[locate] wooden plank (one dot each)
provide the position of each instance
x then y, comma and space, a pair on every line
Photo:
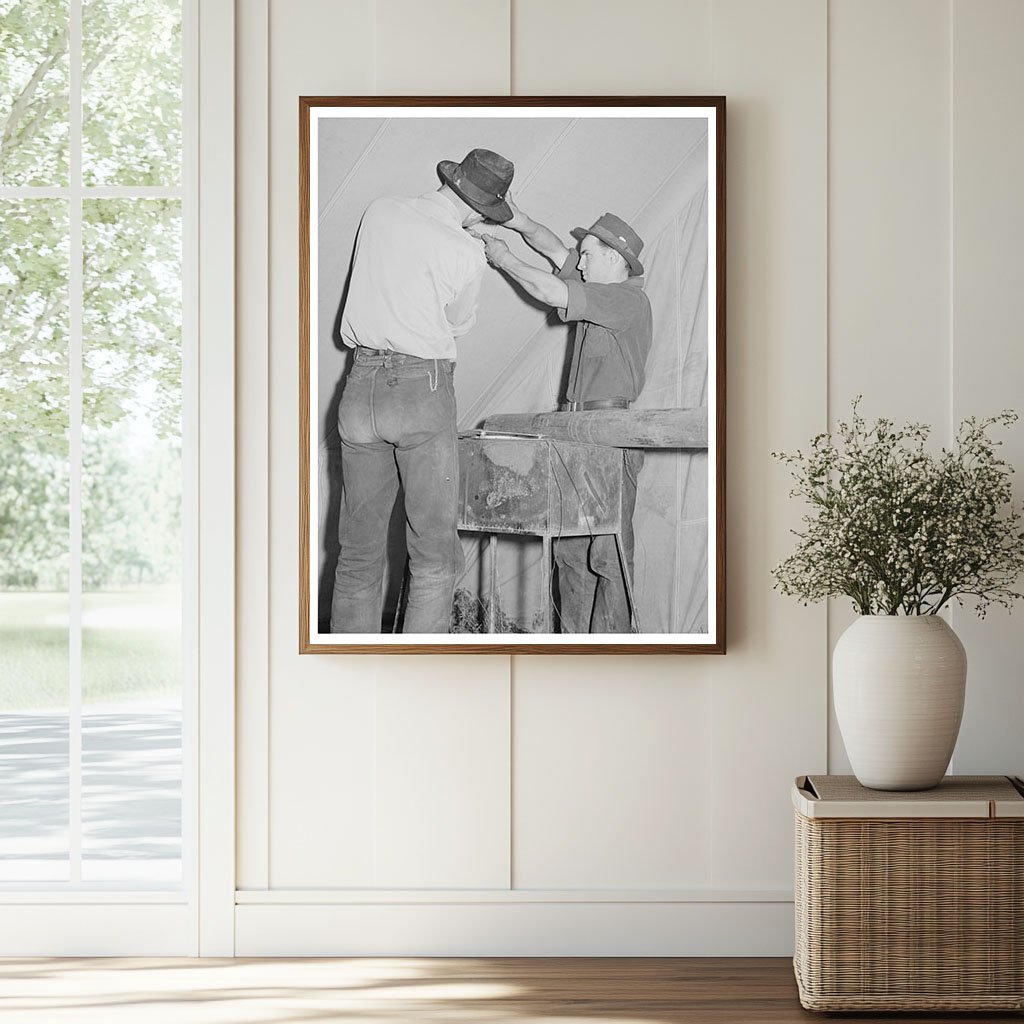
670, 990
621, 428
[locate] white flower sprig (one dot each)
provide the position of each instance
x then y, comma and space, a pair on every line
897, 529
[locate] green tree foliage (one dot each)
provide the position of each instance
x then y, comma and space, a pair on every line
131, 93
33, 515
131, 509
33, 392
131, 302
34, 92
132, 313
34, 321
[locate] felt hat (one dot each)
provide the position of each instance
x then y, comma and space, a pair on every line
481, 180
614, 231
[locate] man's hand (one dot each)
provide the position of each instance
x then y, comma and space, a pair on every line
541, 284
495, 250
538, 237
519, 221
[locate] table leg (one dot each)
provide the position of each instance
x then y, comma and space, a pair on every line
545, 581
492, 608
633, 621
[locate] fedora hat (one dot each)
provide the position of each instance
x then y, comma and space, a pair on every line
614, 231
482, 179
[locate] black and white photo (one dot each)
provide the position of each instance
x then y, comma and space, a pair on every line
511, 375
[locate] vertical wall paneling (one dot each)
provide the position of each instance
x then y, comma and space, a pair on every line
328, 827
769, 692
611, 759
444, 48
442, 754
888, 224
320, 708
988, 328
323, 761
442, 773
252, 183
616, 805
576, 47
612, 762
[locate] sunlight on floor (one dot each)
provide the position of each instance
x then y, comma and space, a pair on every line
147, 991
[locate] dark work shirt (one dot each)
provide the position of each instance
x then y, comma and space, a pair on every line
612, 338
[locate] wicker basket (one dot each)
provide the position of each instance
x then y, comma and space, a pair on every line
910, 901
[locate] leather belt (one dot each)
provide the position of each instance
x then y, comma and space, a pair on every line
387, 355
597, 403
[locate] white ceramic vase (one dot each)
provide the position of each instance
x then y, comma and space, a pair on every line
898, 684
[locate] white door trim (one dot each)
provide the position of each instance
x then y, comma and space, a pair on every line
216, 391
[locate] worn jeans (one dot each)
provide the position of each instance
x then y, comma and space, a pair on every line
591, 591
397, 424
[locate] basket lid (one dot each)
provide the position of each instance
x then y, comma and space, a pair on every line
957, 796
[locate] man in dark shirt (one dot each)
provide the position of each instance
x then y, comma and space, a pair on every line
600, 289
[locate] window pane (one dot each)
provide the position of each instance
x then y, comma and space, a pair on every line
33, 540
33, 92
131, 780
131, 92
131, 541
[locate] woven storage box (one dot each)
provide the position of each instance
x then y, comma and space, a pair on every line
910, 901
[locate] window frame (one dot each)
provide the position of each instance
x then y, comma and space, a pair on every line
75, 918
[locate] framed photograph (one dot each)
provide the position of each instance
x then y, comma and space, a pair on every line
512, 375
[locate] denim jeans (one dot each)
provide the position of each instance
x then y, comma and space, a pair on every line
398, 426
592, 594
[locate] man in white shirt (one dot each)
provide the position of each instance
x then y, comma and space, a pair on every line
415, 279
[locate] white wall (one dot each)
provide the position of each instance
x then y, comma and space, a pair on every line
546, 805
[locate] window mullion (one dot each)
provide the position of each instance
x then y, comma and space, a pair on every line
75, 303
95, 191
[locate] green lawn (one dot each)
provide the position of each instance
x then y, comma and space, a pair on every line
130, 647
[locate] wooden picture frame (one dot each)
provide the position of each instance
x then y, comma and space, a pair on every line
659, 164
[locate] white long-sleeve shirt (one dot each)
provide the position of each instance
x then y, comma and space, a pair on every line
415, 278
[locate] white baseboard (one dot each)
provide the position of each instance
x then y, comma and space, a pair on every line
97, 929
519, 928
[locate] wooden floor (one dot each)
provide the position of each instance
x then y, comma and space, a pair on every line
382, 991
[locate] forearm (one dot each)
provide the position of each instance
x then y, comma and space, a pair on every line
541, 284
540, 237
